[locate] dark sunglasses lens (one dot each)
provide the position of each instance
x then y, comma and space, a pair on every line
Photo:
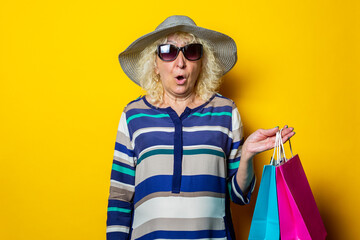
193, 52
167, 52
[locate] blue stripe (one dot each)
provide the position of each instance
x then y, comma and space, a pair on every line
214, 138
139, 123
121, 177
118, 218
192, 121
205, 234
235, 145
163, 183
122, 148
152, 139
119, 203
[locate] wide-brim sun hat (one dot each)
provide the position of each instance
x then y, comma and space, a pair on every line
224, 47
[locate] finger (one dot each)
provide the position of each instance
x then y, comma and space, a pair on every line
286, 137
286, 130
269, 132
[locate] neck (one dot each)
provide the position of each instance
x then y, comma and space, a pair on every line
180, 103
172, 100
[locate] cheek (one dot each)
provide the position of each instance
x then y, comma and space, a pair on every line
162, 68
196, 70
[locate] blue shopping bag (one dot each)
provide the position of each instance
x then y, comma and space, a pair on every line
265, 221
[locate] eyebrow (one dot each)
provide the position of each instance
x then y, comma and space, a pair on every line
171, 42
174, 42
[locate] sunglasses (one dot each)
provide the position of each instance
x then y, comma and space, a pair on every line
169, 52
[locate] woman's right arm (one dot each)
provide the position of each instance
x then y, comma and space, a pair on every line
122, 186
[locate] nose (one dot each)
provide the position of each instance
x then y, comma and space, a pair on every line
180, 60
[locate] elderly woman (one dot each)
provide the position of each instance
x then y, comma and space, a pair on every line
180, 154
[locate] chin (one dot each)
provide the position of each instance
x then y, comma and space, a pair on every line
181, 90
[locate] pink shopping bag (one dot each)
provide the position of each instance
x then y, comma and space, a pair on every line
298, 214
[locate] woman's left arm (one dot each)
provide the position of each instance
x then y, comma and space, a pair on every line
259, 141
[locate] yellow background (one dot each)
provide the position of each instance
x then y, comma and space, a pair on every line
62, 92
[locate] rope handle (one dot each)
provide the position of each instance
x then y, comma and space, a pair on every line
279, 150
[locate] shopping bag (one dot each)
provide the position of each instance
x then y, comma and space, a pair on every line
292, 223
265, 221
298, 214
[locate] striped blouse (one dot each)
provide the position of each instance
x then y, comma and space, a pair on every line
173, 176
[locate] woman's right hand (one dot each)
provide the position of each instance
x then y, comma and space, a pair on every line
262, 140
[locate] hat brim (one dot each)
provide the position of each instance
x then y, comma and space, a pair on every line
224, 48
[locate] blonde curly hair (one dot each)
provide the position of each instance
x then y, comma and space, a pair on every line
209, 79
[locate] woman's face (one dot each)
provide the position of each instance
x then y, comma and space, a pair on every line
179, 76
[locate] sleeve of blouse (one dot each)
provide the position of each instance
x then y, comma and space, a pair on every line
122, 186
236, 195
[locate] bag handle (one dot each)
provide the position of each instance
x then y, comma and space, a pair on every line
282, 145
276, 150
273, 161
279, 150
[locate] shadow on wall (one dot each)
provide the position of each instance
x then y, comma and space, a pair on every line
232, 86
331, 215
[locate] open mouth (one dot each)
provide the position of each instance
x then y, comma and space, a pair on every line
180, 77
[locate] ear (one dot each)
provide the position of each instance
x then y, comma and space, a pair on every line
156, 68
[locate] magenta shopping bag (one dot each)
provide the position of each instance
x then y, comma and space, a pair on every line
298, 214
